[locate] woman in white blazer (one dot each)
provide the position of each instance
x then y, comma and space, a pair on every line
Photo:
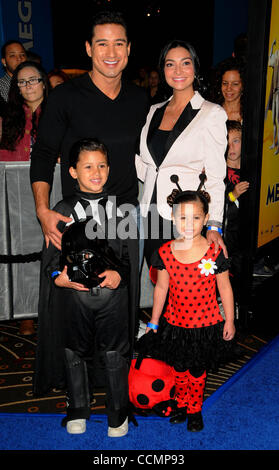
183, 136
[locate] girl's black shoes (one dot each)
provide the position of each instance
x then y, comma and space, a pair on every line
179, 417
195, 422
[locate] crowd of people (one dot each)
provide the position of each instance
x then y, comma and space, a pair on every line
108, 133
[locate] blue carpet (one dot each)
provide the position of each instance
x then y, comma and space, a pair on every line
242, 414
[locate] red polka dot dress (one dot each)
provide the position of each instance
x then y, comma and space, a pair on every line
192, 290
190, 330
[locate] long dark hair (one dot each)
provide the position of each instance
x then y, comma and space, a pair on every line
13, 125
227, 65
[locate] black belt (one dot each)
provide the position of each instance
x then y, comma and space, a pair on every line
95, 290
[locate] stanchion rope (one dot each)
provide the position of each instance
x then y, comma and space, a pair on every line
31, 257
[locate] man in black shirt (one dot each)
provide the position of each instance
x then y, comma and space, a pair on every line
97, 104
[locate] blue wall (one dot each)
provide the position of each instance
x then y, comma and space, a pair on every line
30, 23
230, 19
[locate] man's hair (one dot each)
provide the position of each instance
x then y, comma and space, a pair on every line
233, 126
90, 145
106, 17
8, 43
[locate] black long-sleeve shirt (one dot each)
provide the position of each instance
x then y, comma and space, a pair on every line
78, 109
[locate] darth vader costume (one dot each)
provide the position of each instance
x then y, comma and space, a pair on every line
73, 325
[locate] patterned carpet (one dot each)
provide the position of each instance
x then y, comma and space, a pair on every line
17, 358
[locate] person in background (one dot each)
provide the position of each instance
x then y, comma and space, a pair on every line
229, 87
234, 189
273, 98
263, 265
155, 90
240, 47
12, 54
3, 106
57, 77
27, 97
142, 78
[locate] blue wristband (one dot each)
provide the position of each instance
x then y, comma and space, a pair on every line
217, 229
152, 325
55, 273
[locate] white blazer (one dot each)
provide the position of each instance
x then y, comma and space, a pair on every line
202, 144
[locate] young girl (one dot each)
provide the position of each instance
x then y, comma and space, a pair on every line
192, 335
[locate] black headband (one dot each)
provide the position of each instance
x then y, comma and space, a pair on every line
174, 179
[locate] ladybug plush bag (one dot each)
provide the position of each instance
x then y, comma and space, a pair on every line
152, 386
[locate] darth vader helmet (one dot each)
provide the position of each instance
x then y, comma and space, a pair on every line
85, 258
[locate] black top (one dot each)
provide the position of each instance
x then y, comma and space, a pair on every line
78, 109
187, 115
159, 140
231, 213
158, 143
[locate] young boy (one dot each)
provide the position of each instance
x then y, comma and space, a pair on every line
234, 189
75, 318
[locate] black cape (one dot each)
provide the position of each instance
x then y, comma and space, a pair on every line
49, 363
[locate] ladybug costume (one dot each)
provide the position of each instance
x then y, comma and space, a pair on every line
192, 294
152, 386
190, 334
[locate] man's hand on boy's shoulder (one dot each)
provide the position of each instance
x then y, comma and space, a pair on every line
112, 279
49, 220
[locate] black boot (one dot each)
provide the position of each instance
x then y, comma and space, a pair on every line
78, 399
117, 391
180, 416
195, 422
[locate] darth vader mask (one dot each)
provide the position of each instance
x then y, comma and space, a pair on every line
86, 258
